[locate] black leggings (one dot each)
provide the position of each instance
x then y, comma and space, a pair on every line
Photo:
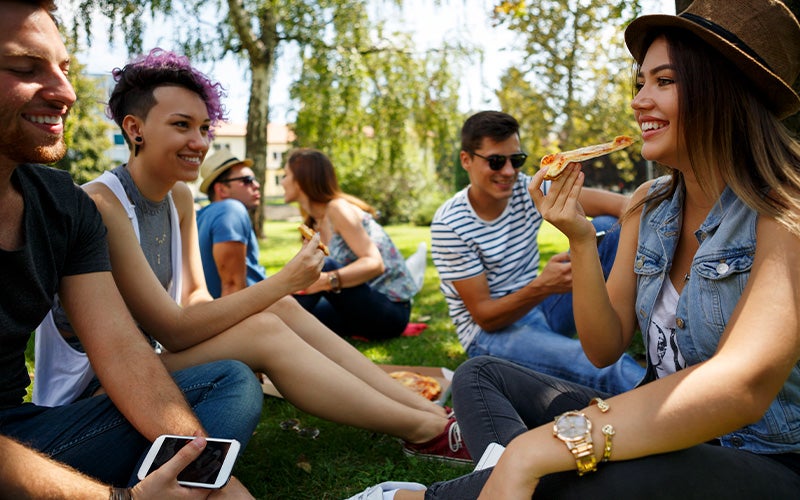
496, 400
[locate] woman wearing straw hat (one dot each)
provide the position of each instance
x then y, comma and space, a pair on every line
708, 268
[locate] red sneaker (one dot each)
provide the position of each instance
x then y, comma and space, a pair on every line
446, 447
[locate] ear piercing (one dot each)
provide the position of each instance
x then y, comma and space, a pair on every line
138, 141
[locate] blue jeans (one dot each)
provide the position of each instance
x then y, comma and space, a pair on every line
358, 310
92, 436
496, 400
543, 340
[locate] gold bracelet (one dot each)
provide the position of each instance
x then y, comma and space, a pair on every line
608, 433
601, 404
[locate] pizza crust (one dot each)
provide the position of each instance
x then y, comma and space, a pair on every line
309, 233
556, 163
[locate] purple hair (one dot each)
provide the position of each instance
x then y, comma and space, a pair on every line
133, 92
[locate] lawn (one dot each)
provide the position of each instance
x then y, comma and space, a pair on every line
342, 461
283, 464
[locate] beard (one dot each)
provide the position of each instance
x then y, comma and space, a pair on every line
22, 148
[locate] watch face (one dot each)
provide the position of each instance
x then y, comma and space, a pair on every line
572, 425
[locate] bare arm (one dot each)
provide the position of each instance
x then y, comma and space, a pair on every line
199, 317
230, 258
345, 219
604, 312
25, 473
731, 389
130, 372
492, 314
600, 202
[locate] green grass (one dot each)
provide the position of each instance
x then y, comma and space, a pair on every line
342, 461
280, 464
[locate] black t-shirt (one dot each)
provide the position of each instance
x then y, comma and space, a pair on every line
63, 235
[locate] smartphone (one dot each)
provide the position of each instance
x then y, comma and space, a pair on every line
212, 469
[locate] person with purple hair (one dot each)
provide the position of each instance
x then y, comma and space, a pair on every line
166, 110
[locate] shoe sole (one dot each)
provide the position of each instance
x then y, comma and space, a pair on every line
437, 458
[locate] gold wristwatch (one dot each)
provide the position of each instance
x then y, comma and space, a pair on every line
575, 430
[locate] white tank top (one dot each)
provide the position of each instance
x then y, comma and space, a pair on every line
61, 373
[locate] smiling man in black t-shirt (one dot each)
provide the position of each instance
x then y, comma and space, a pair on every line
52, 240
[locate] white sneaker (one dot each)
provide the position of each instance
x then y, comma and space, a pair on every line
376, 492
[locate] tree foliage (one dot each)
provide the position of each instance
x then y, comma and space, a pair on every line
353, 77
386, 114
86, 133
573, 84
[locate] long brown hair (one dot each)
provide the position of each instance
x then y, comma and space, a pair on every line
727, 128
314, 174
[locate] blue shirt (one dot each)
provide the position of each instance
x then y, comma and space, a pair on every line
221, 221
719, 273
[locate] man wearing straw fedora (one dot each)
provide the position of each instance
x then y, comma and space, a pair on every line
228, 244
709, 257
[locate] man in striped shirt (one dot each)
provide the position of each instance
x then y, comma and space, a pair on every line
484, 245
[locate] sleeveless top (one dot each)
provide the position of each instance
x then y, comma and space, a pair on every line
62, 372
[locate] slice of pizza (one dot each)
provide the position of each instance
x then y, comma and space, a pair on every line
308, 233
557, 162
428, 387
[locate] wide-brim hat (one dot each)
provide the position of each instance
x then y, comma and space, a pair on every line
216, 164
760, 37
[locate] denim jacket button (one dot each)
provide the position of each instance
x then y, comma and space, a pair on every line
737, 442
722, 268
639, 263
680, 323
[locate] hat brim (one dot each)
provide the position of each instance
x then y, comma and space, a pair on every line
779, 96
222, 169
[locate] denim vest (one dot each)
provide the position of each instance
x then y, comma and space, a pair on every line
719, 273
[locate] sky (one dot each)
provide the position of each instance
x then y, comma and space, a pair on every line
429, 24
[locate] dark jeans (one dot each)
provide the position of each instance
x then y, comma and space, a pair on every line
496, 400
92, 436
358, 310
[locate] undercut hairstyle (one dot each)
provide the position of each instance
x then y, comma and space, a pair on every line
313, 171
741, 138
495, 125
136, 81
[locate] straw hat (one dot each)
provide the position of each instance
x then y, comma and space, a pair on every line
216, 164
760, 37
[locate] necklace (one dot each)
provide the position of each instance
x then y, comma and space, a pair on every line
164, 215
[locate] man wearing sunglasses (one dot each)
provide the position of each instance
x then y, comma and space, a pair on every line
228, 244
484, 245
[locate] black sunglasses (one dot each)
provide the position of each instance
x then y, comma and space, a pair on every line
496, 162
246, 179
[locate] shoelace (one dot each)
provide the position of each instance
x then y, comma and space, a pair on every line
454, 437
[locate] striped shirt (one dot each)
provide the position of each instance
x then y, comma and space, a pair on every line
505, 250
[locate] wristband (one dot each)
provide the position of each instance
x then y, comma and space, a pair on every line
119, 493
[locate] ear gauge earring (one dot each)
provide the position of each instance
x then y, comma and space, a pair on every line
138, 141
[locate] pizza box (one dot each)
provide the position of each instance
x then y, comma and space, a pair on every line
442, 375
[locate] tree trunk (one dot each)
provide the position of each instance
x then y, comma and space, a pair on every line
257, 121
